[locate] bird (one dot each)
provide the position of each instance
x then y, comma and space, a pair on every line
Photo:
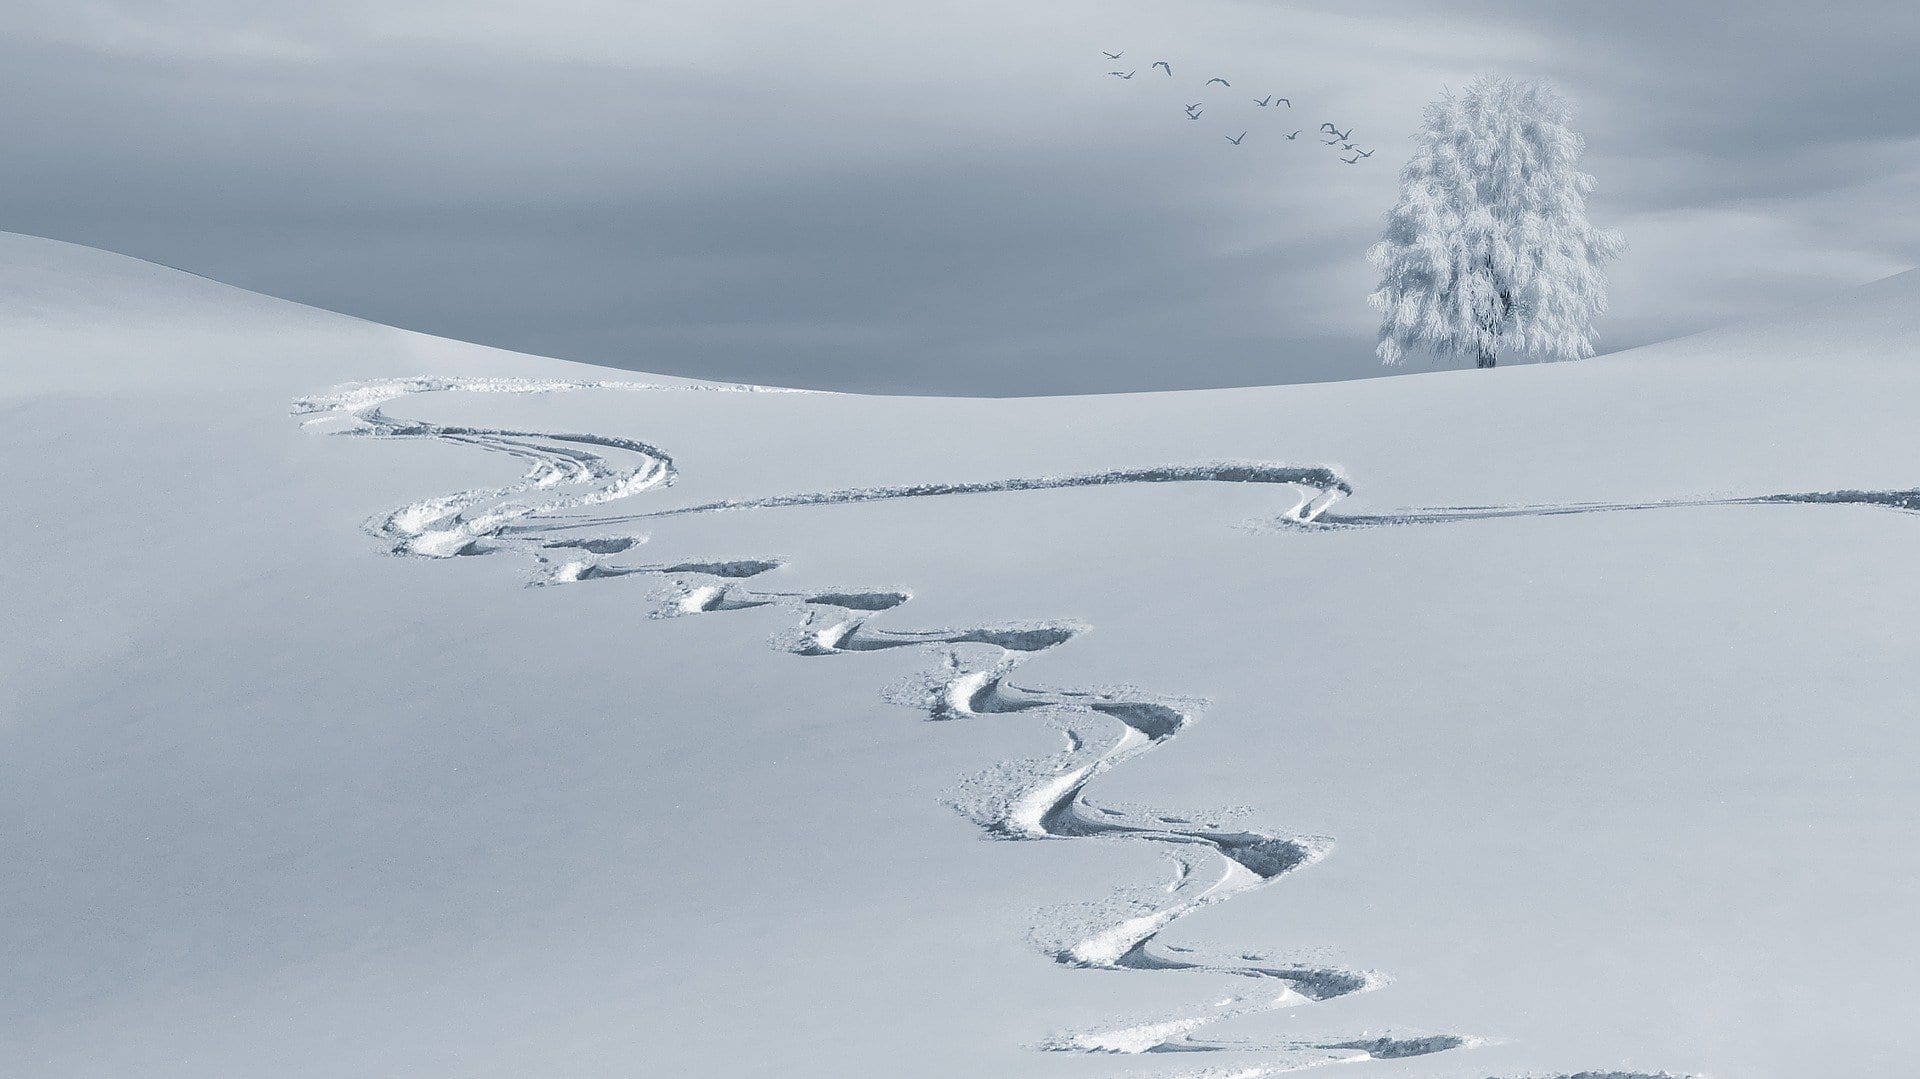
1284, 101
1219, 80
1344, 135
1264, 101
1163, 63
1293, 136
1354, 160
1113, 55
1233, 140
1121, 75
1364, 153
1328, 142
1195, 105
1346, 146
1195, 115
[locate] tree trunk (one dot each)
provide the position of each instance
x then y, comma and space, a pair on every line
1495, 323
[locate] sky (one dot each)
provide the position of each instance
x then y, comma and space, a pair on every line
909, 197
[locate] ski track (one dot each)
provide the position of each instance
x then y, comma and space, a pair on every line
1899, 501
540, 517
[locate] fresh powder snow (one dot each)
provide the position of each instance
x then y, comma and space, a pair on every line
382, 704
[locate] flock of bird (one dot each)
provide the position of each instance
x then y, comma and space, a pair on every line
1331, 135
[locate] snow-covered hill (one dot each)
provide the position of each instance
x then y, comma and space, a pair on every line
382, 705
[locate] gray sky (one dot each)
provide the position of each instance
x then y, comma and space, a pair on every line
952, 197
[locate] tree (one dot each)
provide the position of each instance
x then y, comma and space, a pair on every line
1489, 249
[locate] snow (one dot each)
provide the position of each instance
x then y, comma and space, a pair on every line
1617, 793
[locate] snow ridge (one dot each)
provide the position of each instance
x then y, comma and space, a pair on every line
1027, 800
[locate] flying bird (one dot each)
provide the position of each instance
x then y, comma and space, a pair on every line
1163, 63
1346, 146
1264, 101
1119, 75
1363, 153
1343, 135
1233, 140
1195, 115
1113, 55
1195, 105
1219, 80
1293, 136
1354, 160
1284, 101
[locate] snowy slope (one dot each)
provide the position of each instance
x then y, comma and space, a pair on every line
1540, 722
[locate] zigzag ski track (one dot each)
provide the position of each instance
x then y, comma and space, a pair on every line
552, 517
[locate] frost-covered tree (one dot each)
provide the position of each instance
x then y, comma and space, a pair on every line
1489, 249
